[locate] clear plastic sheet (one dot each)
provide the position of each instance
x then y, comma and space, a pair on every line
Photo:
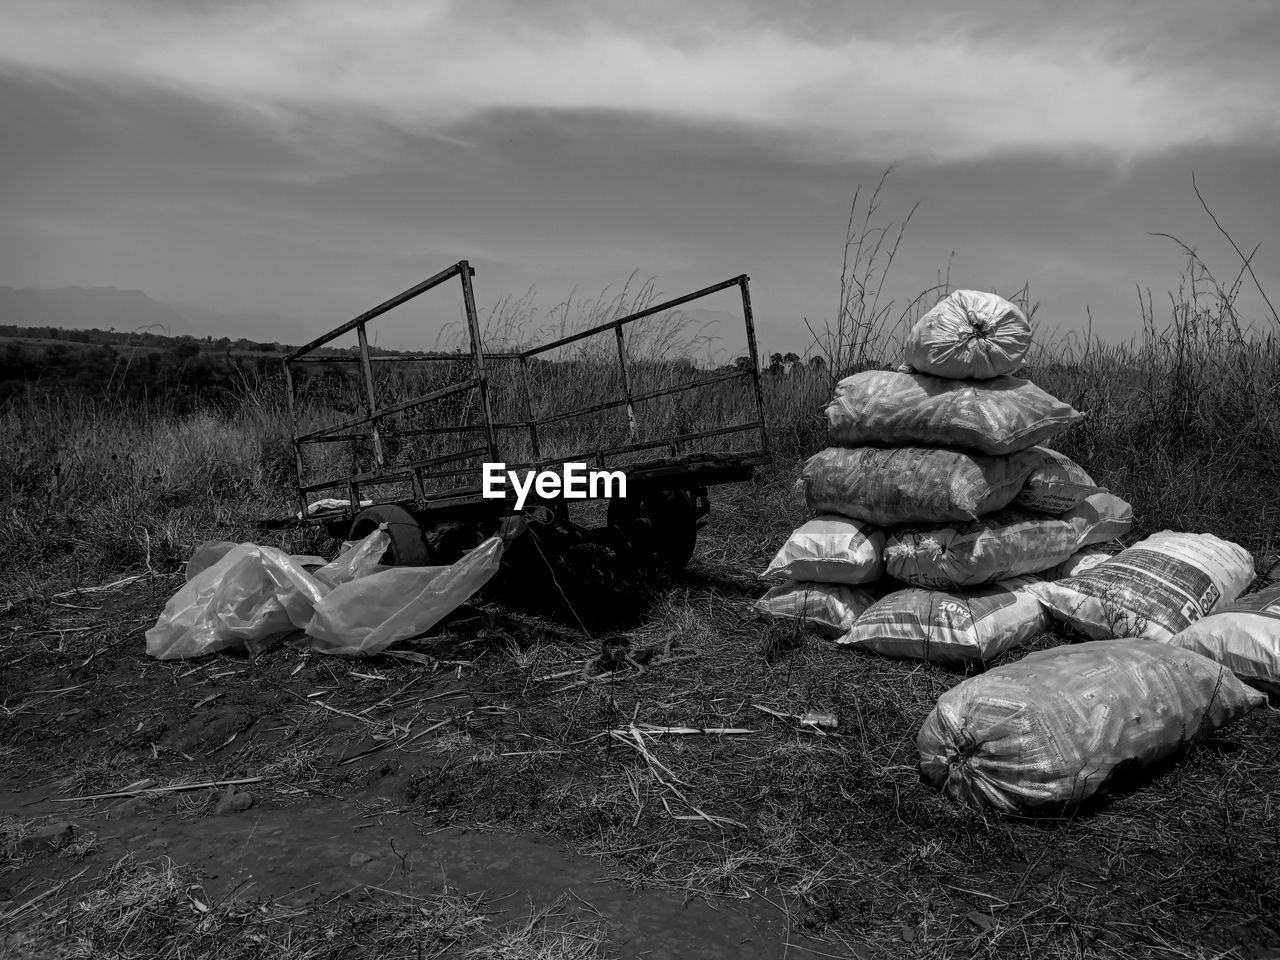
249, 597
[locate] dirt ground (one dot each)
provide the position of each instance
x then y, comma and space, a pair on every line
496, 791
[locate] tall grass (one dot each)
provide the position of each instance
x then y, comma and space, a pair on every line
91, 488
1183, 420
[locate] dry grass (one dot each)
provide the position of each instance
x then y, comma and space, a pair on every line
156, 909
837, 825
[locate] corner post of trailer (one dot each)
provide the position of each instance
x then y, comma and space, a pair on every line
626, 382
754, 354
530, 414
297, 446
371, 396
477, 350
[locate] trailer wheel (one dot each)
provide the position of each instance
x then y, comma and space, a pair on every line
408, 547
660, 527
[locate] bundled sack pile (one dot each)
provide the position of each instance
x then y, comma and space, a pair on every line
939, 491
948, 531
1174, 653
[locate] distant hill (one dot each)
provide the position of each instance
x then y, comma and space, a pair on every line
86, 307
105, 308
123, 344
76, 316
203, 322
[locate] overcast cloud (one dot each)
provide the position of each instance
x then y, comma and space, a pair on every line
890, 84
307, 158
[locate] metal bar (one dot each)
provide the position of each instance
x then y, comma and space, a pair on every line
652, 395
633, 447
706, 291
749, 319
403, 469
297, 447
393, 408
418, 432
683, 438
340, 438
382, 308
452, 493
406, 357
371, 405
399, 471
440, 474
333, 484
528, 405
477, 349
626, 384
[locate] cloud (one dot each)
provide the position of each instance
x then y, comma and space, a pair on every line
813, 81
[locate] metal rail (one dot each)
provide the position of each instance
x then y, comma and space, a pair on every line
461, 267
449, 391
647, 312
652, 395
416, 471
404, 357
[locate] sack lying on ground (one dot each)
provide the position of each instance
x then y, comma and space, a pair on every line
827, 609
1243, 636
1078, 563
1156, 588
1055, 484
888, 408
1052, 728
253, 596
952, 628
893, 486
969, 334
830, 549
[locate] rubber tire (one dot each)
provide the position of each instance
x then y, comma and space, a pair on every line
408, 546
660, 527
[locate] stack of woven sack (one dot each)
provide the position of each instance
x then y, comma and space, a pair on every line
1171, 658
938, 477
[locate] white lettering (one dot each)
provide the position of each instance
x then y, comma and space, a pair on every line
493, 480
608, 479
575, 487
573, 482
548, 484
521, 491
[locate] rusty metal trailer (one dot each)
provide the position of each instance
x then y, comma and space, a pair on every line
433, 505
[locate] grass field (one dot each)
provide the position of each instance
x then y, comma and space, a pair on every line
821, 844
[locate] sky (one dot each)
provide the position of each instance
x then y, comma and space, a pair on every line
303, 160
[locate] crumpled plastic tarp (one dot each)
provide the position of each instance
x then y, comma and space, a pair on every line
248, 597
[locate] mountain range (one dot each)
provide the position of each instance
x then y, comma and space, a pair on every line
107, 308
